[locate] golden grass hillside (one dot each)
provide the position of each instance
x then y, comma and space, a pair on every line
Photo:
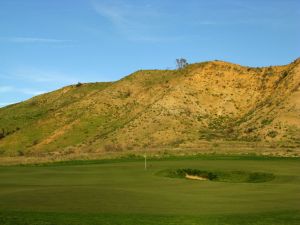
203, 105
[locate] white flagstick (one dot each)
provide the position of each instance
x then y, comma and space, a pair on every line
145, 161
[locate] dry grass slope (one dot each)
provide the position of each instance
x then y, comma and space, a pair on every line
203, 105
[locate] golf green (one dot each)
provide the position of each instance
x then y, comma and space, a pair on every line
123, 192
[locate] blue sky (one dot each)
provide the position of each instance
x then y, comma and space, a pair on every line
45, 45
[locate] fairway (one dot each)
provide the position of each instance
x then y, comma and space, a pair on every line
122, 192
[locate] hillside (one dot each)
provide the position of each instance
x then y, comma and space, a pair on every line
203, 105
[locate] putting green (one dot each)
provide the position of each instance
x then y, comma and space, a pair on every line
125, 193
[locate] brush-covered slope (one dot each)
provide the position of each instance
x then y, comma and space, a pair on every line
202, 103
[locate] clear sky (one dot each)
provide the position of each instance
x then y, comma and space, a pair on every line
47, 44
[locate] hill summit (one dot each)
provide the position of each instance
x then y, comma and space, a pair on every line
197, 107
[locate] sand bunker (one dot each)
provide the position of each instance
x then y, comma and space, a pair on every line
220, 176
193, 177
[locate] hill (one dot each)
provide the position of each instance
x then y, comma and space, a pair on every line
204, 105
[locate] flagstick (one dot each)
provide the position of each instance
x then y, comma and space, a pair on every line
145, 161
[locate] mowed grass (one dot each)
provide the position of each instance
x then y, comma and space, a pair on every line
124, 193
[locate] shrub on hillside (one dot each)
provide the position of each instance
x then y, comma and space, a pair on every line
266, 121
113, 148
272, 133
78, 84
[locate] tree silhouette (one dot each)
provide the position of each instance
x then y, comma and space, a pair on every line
181, 63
